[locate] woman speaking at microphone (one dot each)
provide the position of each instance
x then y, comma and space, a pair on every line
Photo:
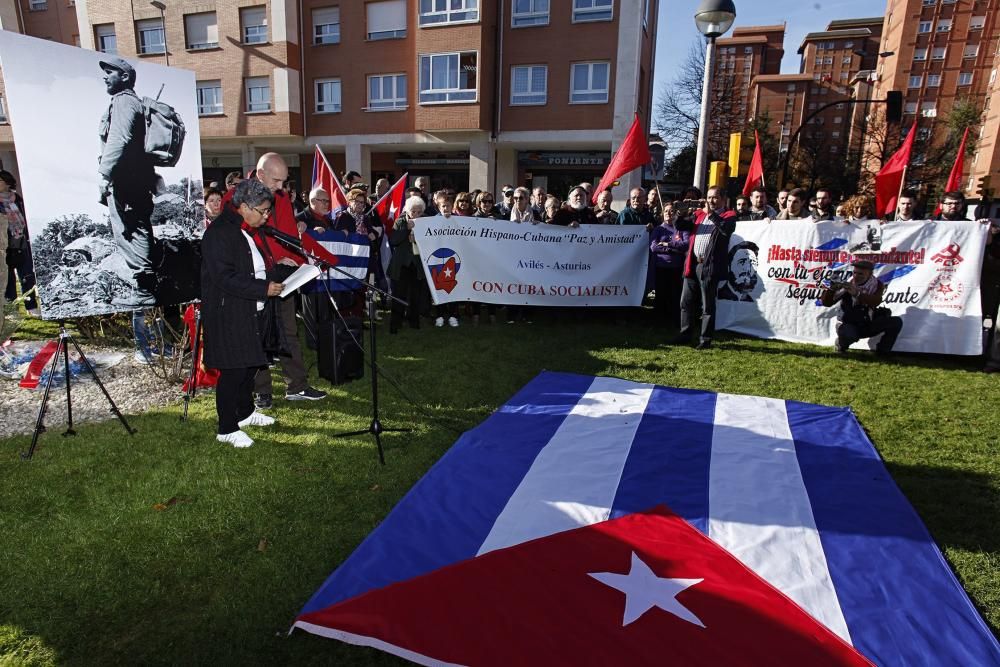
234, 288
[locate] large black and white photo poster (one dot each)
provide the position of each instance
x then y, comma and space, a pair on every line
109, 156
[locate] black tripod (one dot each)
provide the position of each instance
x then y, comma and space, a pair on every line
63, 348
375, 428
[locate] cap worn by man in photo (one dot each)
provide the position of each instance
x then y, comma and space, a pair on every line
118, 64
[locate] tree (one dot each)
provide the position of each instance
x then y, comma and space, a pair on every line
935, 154
770, 150
677, 111
680, 169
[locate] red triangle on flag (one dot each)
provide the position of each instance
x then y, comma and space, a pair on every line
643, 589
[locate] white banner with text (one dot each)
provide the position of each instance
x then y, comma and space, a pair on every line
502, 262
777, 271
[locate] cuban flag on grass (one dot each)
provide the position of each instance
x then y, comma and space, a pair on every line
544, 537
351, 251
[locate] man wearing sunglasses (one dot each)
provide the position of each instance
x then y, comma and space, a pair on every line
317, 216
506, 202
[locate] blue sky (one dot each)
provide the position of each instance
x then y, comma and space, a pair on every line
677, 30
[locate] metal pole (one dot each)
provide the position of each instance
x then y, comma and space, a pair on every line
166, 49
700, 164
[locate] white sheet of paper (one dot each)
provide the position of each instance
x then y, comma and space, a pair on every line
302, 275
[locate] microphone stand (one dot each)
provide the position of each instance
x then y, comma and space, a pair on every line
375, 427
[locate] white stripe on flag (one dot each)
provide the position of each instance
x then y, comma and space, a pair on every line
759, 509
595, 439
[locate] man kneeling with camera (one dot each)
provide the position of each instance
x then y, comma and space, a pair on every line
860, 315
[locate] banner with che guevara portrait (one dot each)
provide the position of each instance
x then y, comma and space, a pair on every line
778, 269
502, 262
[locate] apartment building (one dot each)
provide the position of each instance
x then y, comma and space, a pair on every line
48, 19
938, 52
475, 93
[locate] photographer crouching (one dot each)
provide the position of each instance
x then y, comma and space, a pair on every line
861, 315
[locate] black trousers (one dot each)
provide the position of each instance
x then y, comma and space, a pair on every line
234, 397
669, 282
293, 369
411, 289
698, 298
889, 326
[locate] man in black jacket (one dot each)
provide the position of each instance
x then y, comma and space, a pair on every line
706, 265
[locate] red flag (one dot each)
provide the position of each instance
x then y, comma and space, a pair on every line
324, 177
755, 177
890, 178
955, 177
391, 203
634, 152
643, 589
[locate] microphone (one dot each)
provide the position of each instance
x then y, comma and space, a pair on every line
281, 236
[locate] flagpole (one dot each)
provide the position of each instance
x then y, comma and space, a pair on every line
332, 172
387, 193
656, 184
902, 186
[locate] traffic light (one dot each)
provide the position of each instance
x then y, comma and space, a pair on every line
983, 188
894, 106
717, 174
735, 139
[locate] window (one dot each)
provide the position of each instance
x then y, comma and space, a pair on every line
37, 5
209, 97
848, 45
3, 111
843, 76
916, 81
150, 33
589, 83
386, 92
258, 90
928, 109
933, 80
817, 76
965, 78
253, 22
938, 53
528, 84
448, 77
977, 23
104, 38
596, 10
386, 20
201, 31
831, 45
327, 95
530, 12
924, 26
919, 54
828, 60
326, 25
910, 108
747, 50
944, 25
790, 88
930, 3
834, 148
837, 120
819, 60
846, 60
971, 51
448, 11
835, 134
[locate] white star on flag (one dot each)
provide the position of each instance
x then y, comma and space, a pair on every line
644, 590
447, 273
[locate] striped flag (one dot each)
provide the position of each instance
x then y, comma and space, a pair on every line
351, 251
796, 492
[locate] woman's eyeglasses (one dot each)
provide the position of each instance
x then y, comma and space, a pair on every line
265, 213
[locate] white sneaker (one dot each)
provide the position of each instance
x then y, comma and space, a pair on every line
453, 321
439, 322
142, 358
237, 439
256, 419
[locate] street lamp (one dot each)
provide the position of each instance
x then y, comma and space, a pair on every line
713, 18
163, 24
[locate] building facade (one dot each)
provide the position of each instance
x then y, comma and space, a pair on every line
474, 93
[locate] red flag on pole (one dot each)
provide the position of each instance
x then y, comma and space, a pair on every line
324, 177
391, 203
889, 179
755, 177
634, 152
955, 177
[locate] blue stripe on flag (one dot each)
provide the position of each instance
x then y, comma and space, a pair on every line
670, 456
447, 515
352, 251
902, 604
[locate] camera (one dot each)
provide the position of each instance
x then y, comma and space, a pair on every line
837, 284
685, 206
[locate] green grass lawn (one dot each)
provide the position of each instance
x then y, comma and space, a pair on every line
167, 547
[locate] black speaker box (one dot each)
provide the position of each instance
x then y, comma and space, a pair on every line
338, 356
